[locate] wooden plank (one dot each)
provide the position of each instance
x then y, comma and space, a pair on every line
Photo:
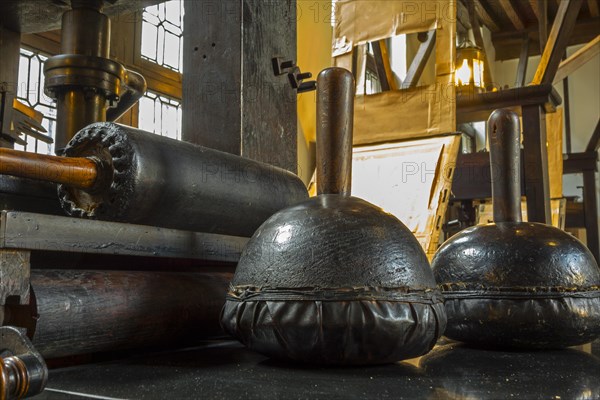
523, 59
485, 17
594, 143
477, 107
40, 232
578, 59
233, 100
536, 164
269, 103
210, 90
557, 42
594, 8
418, 63
512, 15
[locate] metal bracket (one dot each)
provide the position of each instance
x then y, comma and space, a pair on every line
295, 76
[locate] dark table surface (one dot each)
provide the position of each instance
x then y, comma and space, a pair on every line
226, 370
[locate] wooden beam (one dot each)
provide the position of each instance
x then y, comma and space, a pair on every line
229, 85
594, 8
523, 59
594, 143
534, 6
542, 13
557, 42
418, 63
487, 72
512, 14
382, 63
578, 59
508, 43
463, 15
576, 163
485, 17
567, 113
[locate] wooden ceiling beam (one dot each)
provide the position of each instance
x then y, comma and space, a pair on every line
540, 9
485, 17
462, 14
594, 8
508, 43
563, 26
534, 6
512, 14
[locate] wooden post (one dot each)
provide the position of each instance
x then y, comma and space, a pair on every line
536, 164
232, 100
590, 209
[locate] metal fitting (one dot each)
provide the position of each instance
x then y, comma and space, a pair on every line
23, 372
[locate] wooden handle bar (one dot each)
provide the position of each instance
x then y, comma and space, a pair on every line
80, 172
335, 115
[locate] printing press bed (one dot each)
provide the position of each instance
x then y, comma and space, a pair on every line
226, 370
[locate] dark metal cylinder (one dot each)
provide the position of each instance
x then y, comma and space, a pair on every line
335, 115
169, 183
85, 31
80, 312
505, 162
